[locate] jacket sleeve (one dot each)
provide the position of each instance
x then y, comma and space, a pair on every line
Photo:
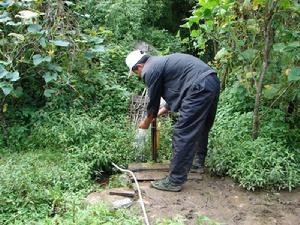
154, 83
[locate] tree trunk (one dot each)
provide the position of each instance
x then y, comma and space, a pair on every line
269, 36
224, 78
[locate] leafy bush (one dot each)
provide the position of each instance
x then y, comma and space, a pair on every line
65, 99
98, 214
96, 140
166, 133
34, 184
265, 162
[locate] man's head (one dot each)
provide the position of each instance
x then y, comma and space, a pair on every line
135, 60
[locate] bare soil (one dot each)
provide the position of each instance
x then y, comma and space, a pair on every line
224, 202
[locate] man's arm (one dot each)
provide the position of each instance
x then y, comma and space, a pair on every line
154, 83
148, 119
146, 122
163, 110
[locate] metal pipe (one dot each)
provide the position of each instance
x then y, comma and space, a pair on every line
154, 140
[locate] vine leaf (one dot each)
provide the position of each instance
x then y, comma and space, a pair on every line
38, 59
34, 28
60, 43
294, 74
49, 77
13, 76
49, 92
6, 88
98, 48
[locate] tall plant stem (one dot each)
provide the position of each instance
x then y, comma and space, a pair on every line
269, 37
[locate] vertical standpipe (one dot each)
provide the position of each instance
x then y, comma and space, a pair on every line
154, 141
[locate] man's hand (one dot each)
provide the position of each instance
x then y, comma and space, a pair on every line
163, 110
146, 122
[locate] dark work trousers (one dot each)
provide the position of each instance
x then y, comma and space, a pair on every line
196, 117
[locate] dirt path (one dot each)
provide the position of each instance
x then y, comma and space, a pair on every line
224, 202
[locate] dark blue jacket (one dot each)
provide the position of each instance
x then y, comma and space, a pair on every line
170, 77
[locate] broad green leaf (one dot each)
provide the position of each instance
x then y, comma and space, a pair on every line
185, 41
49, 92
5, 106
98, 48
60, 43
6, 88
285, 4
209, 22
13, 76
88, 55
6, 3
248, 54
194, 19
5, 63
294, 74
291, 46
34, 28
27, 14
252, 25
199, 12
207, 13
38, 59
279, 47
68, 3
47, 59
201, 42
96, 40
211, 4
257, 3
251, 75
18, 92
43, 42
3, 72
295, 7
55, 67
49, 76
222, 53
186, 25
4, 17
239, 89
202, 2
12, 23
271, 91
195, 33
247, 5
18, 36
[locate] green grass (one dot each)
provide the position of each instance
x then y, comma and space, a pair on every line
47, 187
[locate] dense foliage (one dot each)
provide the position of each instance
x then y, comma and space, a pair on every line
268, 161
64, 101
65, 92
235, 36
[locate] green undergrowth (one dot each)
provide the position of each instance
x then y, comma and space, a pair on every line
270, 161
39, 183
64, 113
97, 214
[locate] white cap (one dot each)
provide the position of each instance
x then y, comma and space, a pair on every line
133, 57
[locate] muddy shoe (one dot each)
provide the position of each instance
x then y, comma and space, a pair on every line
165, 185
197, 169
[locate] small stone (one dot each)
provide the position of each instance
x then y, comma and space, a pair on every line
106, 197
123, 203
